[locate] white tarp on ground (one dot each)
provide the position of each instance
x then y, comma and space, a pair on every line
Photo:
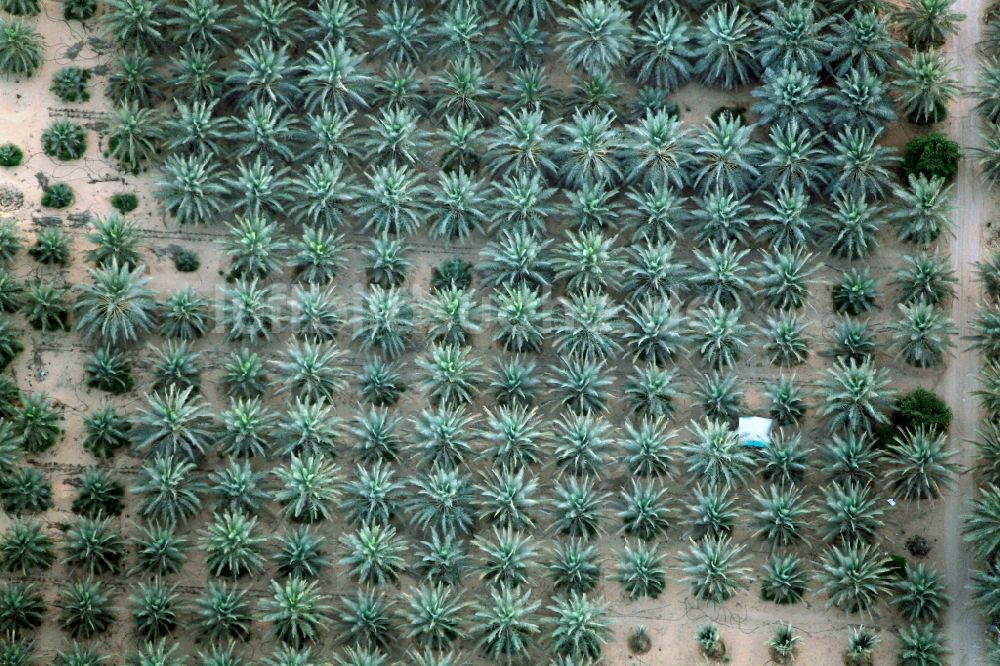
755, 431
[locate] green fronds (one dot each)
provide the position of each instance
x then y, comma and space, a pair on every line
173, 423
22, 608
851, 457
249, 311
579, 626
714, 512
451, 375
170, 489
376, 432
863, 41
134, 135
300, 552
574, 566
191, 188
719, 336
25, 490
223, 612
184, 315
928, 23
784, 580
26, 548
383, 321
854, 395
925, 87
716, 455
713, 569
921, 594
517, 259
719, 396
854, 576
374, 554
93, 545
432, 617
924, 211
298, 611
21, 48
923, 335
236, 488
160, 551
372, 496
921, 645
860, 166
780, 516
45, 306
99, 494
86, 609
38, 422
308, 488
401, 34
724, 53
505, 624
243, 375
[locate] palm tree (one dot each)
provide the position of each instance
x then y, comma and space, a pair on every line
578, 507
928, 23
862, 40
117, 307
923, 334
791, 36
926, 278
851, 339
854, 395
432, 618
443, 559
116, 240
176, 364
725, 42
714, 512
401, 33
850, 513
298, 611
442, 499
52, 246
595, 37
926, 86
517, 312
574, 566
720, 218
921, 645
851, 457
652, 272
372, 497
786, 461
133, 136
463, 89
507, 558
45, 307
513, 381
25, 547
507, 499
451, 375
203, 23
154, 611
859, 166
655, 332
589, 326
93, 545
719, 336
264, 72
789, 223
22, 608
332, 78
86, 609
25, 490
135, 24
173, 423
582, 443
134, 76
246, 428
323, 194
988, 90
722, 281
725, 155
80, 655
641, 571
237, 488
580, 626
170, 489
365, 621
784, 581
191, 188
21, 48
790, 97
374, 554
383, 320
647, 450
514, 436
243, 375
716, 455
393, 201
710, 642
650, 391
442, 436
309, 488
194, 73
184, 315
786, 340
99, 494
644, 511
11, 290
160, 550
860, 98
37, 421
223, 612
582, 386
520, 148
925, 211
781, 515
719, 396
517, 259
253, 248
664, 50
712, 568
387, 262
588, 261
504, 624
920, 595
854, 576
10, 344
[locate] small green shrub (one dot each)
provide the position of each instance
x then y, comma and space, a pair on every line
69, 84
921, 408
932, 154
452, 273
79, 10
11, 155
21, 48
124, 202
186, 261
57, 195
64, 140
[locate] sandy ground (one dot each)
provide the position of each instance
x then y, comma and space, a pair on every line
52, 363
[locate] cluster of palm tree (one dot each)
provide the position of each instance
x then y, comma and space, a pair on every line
608, 229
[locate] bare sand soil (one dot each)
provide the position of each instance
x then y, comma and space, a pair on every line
53, 363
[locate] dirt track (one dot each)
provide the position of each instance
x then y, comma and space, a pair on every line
964, 626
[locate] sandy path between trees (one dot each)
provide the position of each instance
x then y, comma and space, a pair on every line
964, 626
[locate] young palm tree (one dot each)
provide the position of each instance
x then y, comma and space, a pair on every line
401, 33
298, 611
513, 382
441, 437
725, 43
383, 320
507, 499
582, 386
21, 48
574, 567
784, 278
195, 75
789, 222
920, 594
393, 201
259, 188
94, 546
11, 290
928, 23
373, 496
365, 621
160, 551
374, 555
719, 336
300, 552
859, 166
170, 489
22, 608
45, 307
173, 423
514, 437
518, 315
783, 644
720, 218
432, 617
453, 315
223, 612
644, 511
323, 194
504, 624
249, 311
451, 375
507, 558
854, 576
443, 559
312, 372
650, 392
177, 365
641, 571
854, 395
184, 315
588, 261
81, 655
442, 499
191, 188
923, 334
714, 512
581, 443
134, 76
716, 455
246, 428
784, 581
926, 86
725, 155
786, 461
134, 136
851, 458
664, 52
712, 568
925, 278
25, 547
595, 37
790, 35
579, 628
589, 326
10, 344
860, 646
647, 450
921, 465
655, 331
253, 248
851, 339
925, 211
520, 148
243, 375
52, 246
652, 272
517, 259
